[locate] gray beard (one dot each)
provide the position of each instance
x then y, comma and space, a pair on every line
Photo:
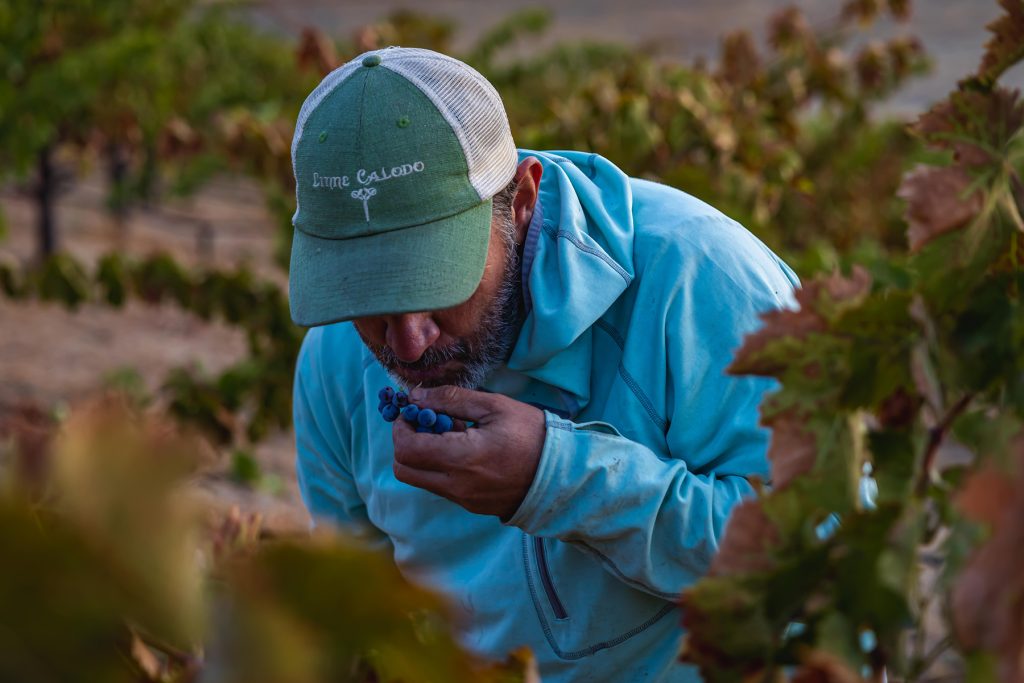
480, 354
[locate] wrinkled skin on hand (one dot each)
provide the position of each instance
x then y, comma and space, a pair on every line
487, 469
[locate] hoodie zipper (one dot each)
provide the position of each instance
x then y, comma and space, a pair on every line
545, 579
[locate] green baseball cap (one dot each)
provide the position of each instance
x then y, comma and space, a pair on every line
396, 156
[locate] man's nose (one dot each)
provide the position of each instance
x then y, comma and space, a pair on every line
410, 334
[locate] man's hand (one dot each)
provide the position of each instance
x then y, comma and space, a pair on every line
487, 469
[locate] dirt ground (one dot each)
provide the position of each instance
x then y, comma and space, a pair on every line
53, 358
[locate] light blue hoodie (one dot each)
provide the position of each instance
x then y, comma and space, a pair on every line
637, 297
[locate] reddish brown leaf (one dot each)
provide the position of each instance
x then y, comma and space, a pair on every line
840, 289
900, 9
904, 53
777, 325
179, 138
973, 124
813, 299
936, 203
863, 11
52, 45
899, 409
986, 496
741, 64
1006, 46
746, 546
788, 28
316, 50
368, 38
870, 65
988, 597
30, 429
793, 449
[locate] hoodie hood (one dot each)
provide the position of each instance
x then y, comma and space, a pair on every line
578, 260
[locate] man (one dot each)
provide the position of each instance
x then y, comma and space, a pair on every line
579, 318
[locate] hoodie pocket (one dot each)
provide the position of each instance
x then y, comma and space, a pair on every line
557, 608
583, 608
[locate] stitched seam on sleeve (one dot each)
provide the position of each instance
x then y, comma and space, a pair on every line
642, 397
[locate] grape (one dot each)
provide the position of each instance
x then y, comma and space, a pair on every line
386, 394
390, 412
424, 430
381, 404
427, 417
410, 412
443, 424
401, 399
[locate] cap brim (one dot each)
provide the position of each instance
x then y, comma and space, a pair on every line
426, 267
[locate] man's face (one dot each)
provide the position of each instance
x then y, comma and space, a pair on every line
462, 344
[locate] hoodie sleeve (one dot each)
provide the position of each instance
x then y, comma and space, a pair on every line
655, 519
326, 484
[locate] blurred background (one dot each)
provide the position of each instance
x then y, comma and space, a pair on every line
146, 191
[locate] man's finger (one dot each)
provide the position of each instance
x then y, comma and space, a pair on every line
428, 451
454, 401
403, 426
435, 482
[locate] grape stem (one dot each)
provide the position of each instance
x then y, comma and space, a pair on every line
935, 436
922, 665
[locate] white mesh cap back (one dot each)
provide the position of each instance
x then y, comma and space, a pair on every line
466, 100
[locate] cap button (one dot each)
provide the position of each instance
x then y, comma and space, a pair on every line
371, 60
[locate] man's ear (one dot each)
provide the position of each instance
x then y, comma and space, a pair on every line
528, 175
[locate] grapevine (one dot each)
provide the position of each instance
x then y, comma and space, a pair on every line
899, 365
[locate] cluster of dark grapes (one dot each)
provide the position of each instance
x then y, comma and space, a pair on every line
394, 403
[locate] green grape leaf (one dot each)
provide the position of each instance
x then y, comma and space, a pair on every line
821, 666
115, 473
344, 607
63, 607
63, 279
728, 634
11, 280
113, 280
